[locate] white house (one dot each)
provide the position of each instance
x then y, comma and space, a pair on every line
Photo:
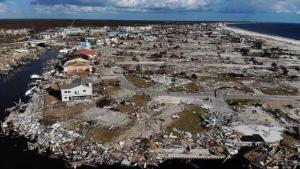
45, 35
79, 89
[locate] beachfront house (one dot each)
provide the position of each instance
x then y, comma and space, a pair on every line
79, 89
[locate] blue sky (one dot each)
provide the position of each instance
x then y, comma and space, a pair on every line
229, 10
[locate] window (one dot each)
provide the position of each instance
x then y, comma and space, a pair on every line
66, 97
66, 92
69, 91
84, 90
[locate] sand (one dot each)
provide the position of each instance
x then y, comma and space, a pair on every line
261, 35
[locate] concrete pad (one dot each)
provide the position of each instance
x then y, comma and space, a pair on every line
105, 117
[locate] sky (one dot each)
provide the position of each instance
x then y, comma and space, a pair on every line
192, 10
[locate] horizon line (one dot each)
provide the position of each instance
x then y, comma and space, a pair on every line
147, 20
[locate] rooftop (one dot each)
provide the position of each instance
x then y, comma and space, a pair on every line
86, 52
77, 82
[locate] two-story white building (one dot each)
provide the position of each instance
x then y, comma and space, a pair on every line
79, 89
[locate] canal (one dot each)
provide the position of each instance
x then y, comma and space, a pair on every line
13, 150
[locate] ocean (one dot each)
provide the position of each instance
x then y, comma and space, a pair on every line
286, 30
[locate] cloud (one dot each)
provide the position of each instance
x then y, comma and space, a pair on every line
220, 6
258, 6
3, 8
287, 6
163, 4
131, 5
70, 2
68, 9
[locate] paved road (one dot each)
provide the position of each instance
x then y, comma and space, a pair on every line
161, 92
255, 97
262, 97
30, 41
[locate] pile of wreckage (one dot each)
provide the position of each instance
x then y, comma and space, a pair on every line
220, 142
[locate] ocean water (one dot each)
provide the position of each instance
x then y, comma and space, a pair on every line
286, 30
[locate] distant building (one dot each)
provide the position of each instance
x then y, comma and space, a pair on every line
84, 45
79, 89
59, 34
129, 28
44, 36
100, 42
144, 28
102, 30
122, 35
73, 31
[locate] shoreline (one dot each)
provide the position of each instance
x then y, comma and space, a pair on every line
261, 35
17, 65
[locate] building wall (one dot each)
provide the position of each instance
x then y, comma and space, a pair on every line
77, 66
82, 90
74, 69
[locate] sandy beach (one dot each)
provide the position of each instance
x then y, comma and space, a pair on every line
260, 35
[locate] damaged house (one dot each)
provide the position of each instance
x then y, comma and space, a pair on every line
78, 66
86, 53
79, 89
80, 63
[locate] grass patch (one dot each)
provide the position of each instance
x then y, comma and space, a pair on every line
125, 108
140, 82
52, 115
110, 90
49, 99
234, 102
75, 125
190, 120
140, 100
110, 82
190, 88
282, 90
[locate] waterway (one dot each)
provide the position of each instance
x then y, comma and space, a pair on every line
13, 149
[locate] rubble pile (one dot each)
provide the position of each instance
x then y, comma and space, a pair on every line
138, 96
13, 59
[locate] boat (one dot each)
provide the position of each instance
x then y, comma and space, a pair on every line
30, 91
35, 76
